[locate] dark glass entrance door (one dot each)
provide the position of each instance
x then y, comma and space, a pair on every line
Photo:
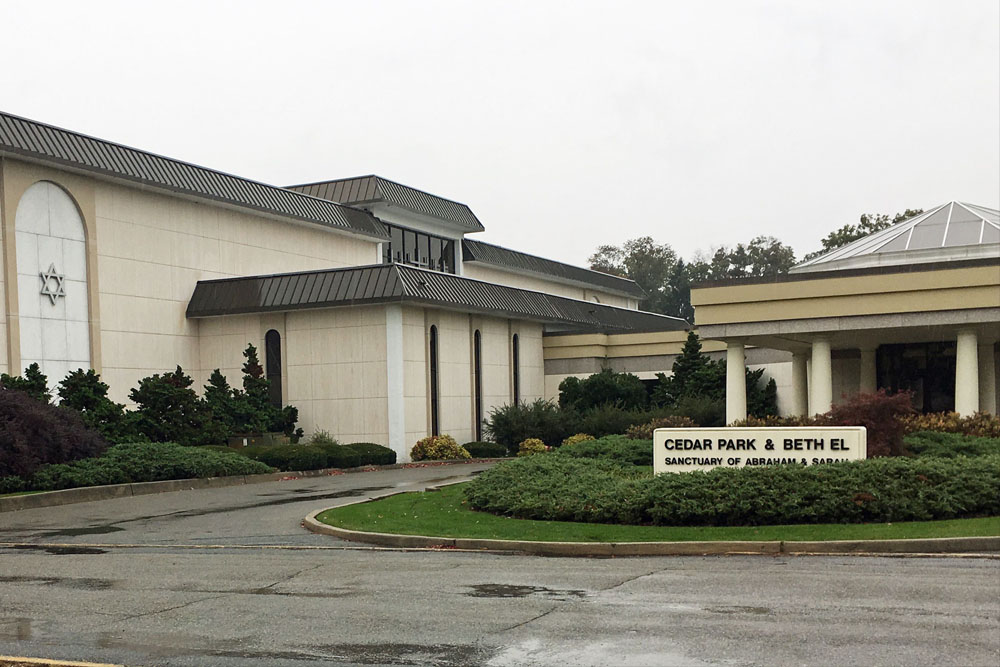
926, 369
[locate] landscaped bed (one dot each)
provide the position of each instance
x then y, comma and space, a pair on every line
446, 513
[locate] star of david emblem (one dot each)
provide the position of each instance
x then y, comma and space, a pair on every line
52, 284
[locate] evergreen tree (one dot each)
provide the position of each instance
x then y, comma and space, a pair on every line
34, 383
222, 402
84, 392
169, 410
255, 412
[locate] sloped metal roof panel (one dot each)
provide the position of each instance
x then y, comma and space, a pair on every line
487, 253
372, 189
34, 140
384, 283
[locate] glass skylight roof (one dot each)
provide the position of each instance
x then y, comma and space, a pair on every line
951, 225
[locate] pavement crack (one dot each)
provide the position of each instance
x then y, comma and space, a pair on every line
290, 577
179, 606
631, 579
530, 620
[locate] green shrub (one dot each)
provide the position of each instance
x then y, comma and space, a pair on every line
223, 449
34, 383
321, 437
949, 445
531, 446
170, 411
576, 438
435, 447
84, 392
702, 410
880, 490
290, 457
485, 450
12, 484
508, 425
144, 462
645, 431
616, 448
338, 456
372, 454
605, 388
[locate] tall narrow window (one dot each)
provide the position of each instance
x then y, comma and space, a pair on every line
272, 363
477, 361
515, 367
433, 356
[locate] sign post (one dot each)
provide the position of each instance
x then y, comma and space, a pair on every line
687, 449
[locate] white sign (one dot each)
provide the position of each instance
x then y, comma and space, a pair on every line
686, 449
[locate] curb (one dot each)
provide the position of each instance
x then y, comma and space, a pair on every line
13, 661
923, 546
88, 494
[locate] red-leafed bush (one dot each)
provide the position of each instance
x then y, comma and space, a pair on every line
881, 413
34, 433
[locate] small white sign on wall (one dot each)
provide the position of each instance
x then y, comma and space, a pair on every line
687, 449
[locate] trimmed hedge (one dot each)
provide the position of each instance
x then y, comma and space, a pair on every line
143, 462
949, 445
318, 456
563, 488
372, 454
616, 448
485, 450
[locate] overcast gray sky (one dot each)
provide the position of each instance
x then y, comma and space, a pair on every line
564, 125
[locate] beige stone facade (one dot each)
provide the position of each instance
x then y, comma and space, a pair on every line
360, 372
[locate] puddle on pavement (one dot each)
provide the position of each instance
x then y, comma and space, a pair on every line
62, 550
440, 655
76, 532
279, 501
510, 591
738, 609
78, 583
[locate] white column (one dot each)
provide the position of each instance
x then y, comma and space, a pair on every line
966, 373
869, 381
394, 382
800, 384
987, 379
821, 387
736, 383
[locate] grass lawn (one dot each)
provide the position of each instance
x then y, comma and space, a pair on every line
19, 493
444, 513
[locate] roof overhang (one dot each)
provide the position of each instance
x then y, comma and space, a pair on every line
398, 283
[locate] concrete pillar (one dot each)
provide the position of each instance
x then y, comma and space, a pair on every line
869, 378
966, 373
394, 379
736, 383
800, 384
987, 379
821, 385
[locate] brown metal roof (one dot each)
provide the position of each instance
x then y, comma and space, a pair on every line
30, 139
386, 283
487, 253
373, 189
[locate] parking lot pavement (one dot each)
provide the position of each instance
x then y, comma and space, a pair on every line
268, 513
162, 604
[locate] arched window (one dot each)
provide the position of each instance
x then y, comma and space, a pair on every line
515, 367
272, 364
433, 357
477, 361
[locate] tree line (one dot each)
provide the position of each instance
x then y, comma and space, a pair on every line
667, 278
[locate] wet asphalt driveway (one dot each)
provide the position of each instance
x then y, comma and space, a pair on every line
200, 578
